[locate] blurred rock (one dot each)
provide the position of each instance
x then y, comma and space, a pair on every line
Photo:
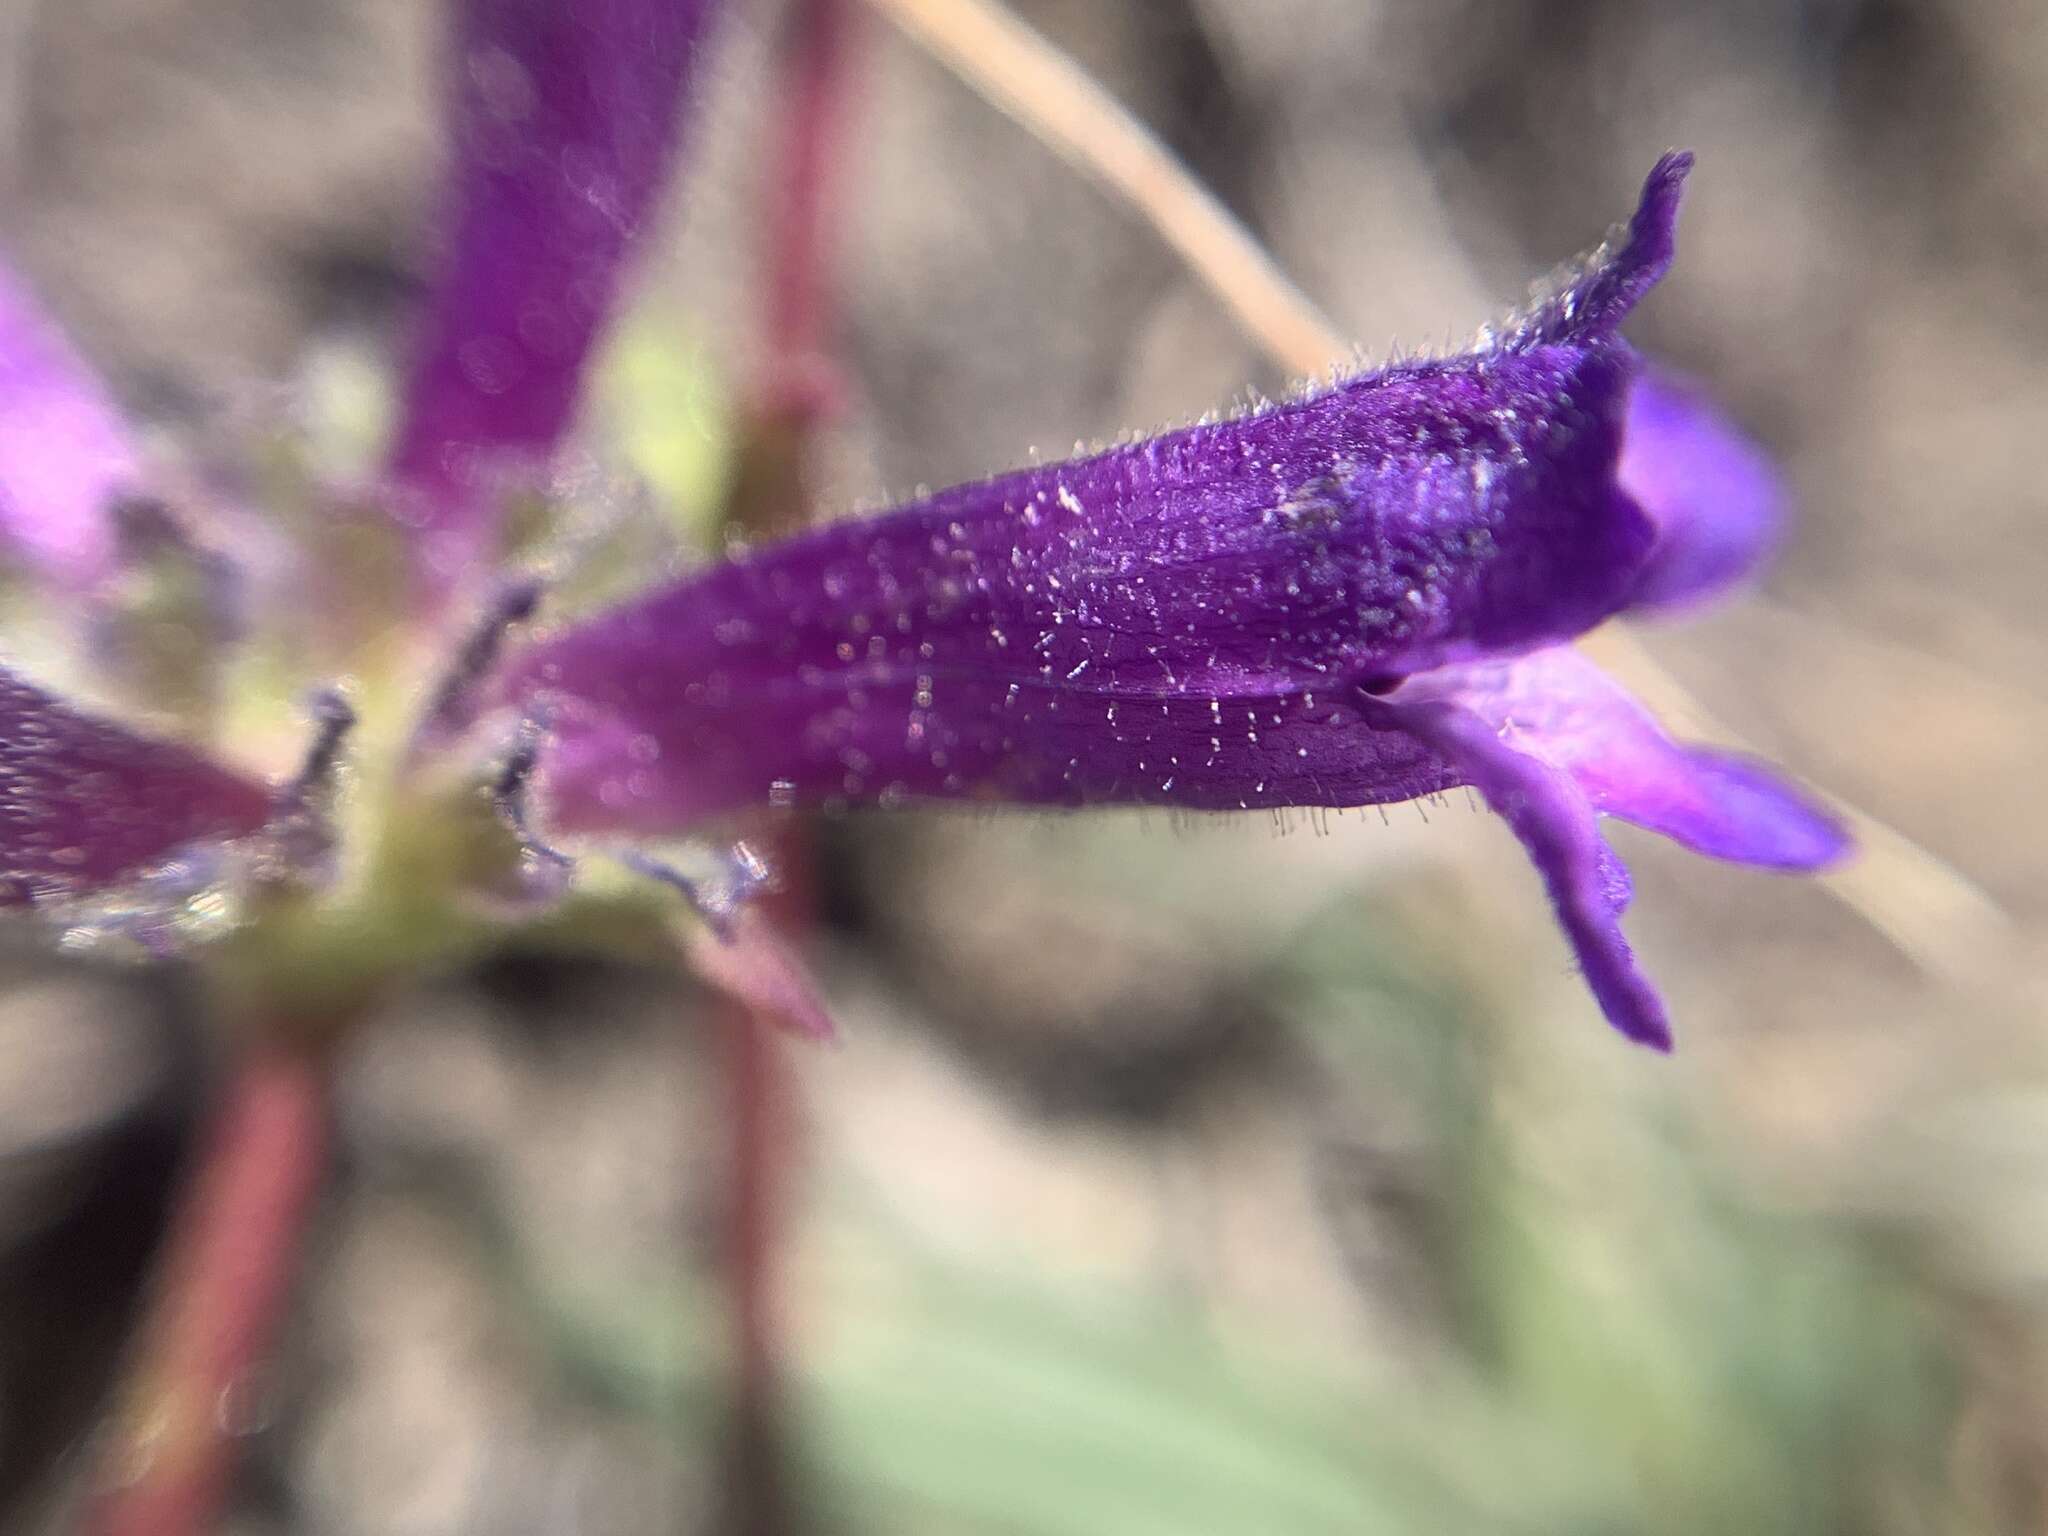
99, 1086
81, 1052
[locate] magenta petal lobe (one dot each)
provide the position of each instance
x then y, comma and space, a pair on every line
85, 803
64, 453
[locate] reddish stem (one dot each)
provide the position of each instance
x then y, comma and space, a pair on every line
772, 494
755, 1179
233, 1251
815, 75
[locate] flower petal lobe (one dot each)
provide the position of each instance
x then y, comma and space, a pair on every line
1558, 826
64, 453
1553, 744
1559, 706
85, 803
1714, 496
1613, 279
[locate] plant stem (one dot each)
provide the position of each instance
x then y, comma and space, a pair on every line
754, 1189
232, 1254
1060, 104
796, 325
772, 494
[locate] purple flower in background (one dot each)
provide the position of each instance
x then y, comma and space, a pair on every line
565, 123
85, 804
1362, 596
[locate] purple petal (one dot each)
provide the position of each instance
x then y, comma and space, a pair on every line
64, 454
1613, 279
1714, 496
85, 803
566, 119
1553, 744
1558, 826
1557, 705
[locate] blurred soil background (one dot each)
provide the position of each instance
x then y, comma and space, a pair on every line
1246, 1175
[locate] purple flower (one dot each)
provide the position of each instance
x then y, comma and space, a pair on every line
1362, 596
1355, 598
